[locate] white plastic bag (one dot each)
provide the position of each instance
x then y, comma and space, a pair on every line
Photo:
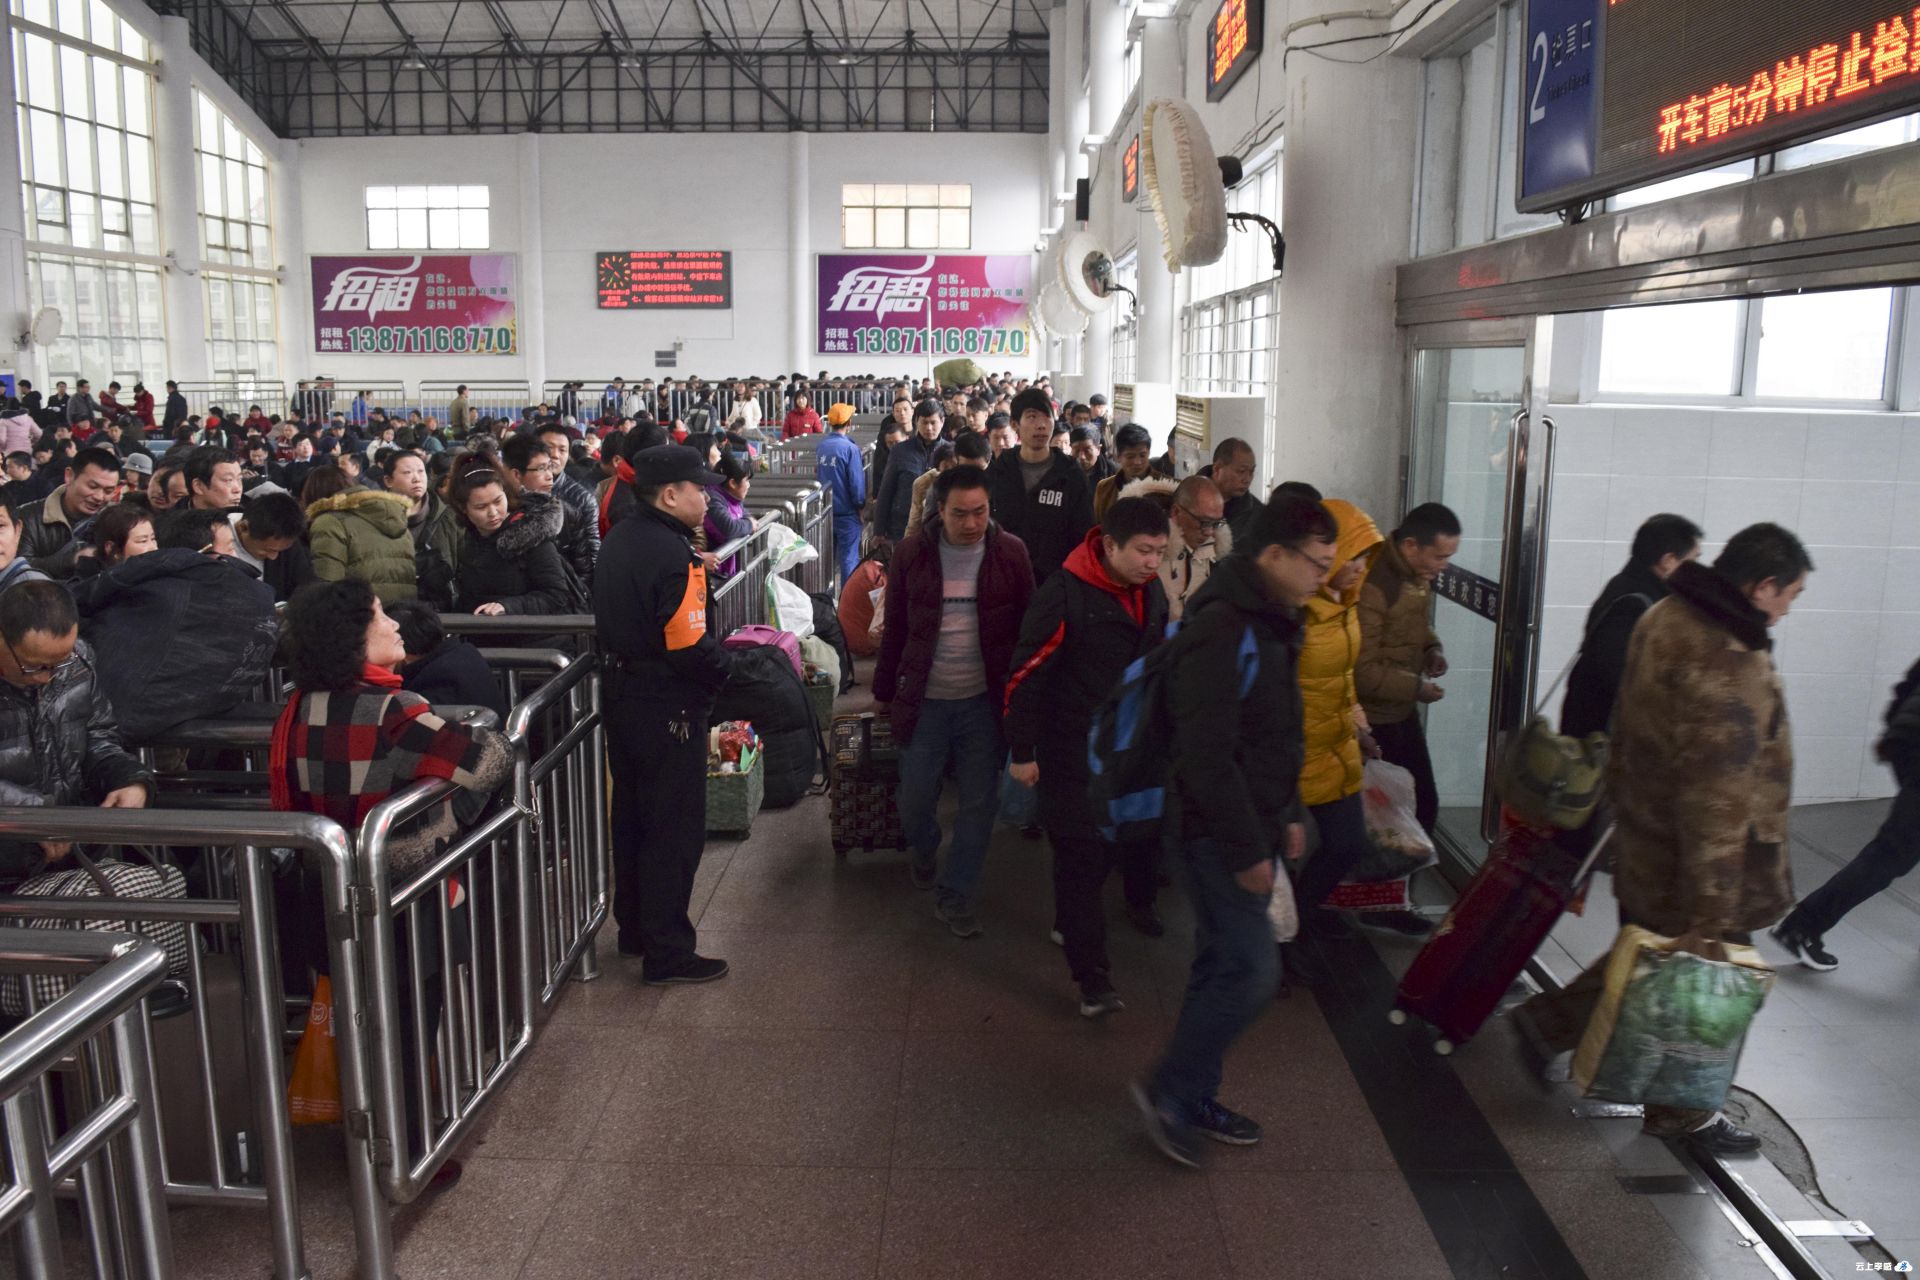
1402, 846
879, 598
788, 548
1282, 913
789, 607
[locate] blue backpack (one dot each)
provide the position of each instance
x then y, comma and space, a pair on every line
1128, 748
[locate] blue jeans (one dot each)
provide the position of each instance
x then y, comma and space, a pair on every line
965, 731
846, 543
1236, 969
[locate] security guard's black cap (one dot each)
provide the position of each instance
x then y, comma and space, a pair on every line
670, 464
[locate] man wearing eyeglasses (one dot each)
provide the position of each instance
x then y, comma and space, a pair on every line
59, 744
1200, 536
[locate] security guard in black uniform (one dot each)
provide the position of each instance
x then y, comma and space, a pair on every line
664, 668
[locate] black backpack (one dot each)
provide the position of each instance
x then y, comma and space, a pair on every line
764, 690
826, 625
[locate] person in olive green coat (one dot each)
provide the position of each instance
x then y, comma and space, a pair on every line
359, 533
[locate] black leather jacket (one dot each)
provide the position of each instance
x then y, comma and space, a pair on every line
60, 745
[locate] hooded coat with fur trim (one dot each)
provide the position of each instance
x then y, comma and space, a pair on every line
518, 566
1329, 651
362, 533
1183, 570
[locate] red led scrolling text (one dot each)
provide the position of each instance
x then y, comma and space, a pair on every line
1229, 37
1826, 74
1130, 168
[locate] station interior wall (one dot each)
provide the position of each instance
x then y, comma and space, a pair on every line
558, 199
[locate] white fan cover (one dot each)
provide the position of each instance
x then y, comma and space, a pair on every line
1058, 312
1183, 183
46, 326
1080, 249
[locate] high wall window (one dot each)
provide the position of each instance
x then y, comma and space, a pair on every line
1228, 331
1123, 317
113, 320
84, 103
912, 215
236, 229
435, 217
1815, 347
86, 129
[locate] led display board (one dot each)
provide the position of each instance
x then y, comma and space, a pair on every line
642, 279
1233, 43
1617, 93
1130, 170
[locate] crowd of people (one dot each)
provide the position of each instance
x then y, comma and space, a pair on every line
1009, 561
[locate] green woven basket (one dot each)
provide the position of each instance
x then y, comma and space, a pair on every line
822, 693
734, 798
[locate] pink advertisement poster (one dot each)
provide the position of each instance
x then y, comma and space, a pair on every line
946, 304
415, 304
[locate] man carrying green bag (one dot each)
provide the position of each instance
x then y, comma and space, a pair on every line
1700, 777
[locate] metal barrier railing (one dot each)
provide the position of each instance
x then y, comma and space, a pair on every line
253, 836
235, 397
109, 1146
357, 400
742, 599
484, 399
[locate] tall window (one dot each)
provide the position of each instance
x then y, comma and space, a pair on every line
916, 215
1126, 327
236, 232
437, 217
113, 319
1228, 332
84, 103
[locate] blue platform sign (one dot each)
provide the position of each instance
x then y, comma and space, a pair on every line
1559, 98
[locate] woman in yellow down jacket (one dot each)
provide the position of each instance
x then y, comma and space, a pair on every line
1335, 728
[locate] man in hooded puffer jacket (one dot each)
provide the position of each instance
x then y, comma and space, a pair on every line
1086, 625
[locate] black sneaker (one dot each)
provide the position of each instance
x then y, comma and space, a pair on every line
924, 873
698, 969
1405, 924
1033, 831
1146, 920
1807, 949
1097, 1000
1722, 1137
1176, 1140
1223, 1125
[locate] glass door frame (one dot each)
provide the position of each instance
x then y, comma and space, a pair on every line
1524, 522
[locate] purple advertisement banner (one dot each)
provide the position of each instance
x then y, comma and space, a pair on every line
415, 304
943, 304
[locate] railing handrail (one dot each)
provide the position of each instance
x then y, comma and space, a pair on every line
520, 623
121, 969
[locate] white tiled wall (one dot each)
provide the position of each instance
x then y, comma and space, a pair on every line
1847, 482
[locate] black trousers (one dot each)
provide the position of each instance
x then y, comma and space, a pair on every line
1892, 853
1405, 744
1081, 865
1343, 840
658, 757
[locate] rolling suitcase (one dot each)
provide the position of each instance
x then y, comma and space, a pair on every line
1498, 922
866, 769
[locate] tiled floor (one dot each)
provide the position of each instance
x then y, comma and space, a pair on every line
866, 1096
1834, 1053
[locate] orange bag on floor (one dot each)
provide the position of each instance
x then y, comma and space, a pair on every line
313, 1091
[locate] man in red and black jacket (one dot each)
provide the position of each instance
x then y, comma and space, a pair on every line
1086, 625
956, 592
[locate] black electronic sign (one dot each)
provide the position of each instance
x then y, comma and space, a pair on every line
641, 279
1233, 43
1617, 93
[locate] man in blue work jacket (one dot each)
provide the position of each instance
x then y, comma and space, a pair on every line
838, 466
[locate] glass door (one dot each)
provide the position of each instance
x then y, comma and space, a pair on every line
1471, 436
